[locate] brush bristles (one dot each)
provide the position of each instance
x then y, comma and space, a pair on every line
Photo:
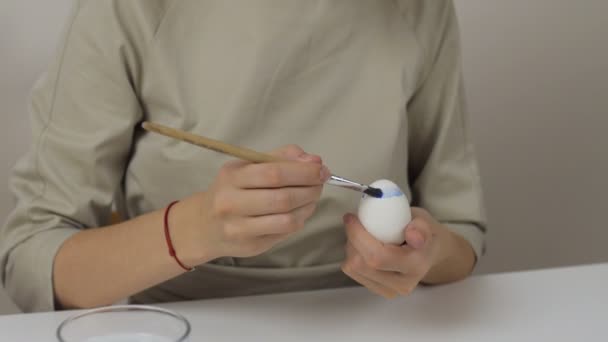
374, 192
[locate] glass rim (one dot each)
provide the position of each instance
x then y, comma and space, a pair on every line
125, 308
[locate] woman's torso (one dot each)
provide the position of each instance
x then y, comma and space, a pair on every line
331, 76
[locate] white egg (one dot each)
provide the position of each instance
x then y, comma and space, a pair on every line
385, 218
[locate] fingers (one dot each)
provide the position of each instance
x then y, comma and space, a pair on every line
416, 235
298, 169
259, 202
279, 175
351, 269
379, 256
296, 153
386, 269
255, 235
418, 232
371, 285
269, 225
399, 283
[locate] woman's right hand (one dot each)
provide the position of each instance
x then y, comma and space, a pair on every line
245, 211
249, 207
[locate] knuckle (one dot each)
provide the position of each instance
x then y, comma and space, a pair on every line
225, 172
293, 149
419, 212
421, 224
273, 175
419, 221
290, 151
232, 233
222, 207
348, 269
310, 210
282, 200
357, 263
377, 260
290, 222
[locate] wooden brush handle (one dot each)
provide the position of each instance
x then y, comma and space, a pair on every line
215, 145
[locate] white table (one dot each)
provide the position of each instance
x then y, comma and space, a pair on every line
565, 304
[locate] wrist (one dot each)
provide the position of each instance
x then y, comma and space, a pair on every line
439, 251
184, 228
453, 260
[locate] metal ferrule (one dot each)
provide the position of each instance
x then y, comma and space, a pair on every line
345, 183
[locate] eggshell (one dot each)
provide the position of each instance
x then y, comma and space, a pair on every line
385, 218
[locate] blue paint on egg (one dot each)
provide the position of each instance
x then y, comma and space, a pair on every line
388, 193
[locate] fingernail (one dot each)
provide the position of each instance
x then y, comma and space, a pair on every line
305, 157
325, 173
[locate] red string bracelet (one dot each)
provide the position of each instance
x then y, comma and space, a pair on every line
169, 242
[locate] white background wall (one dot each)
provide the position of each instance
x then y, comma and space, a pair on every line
29, 32
537, 73
537, 77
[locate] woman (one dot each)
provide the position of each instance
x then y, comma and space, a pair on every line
374, 87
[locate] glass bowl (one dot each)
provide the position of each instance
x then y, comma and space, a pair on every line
125, 323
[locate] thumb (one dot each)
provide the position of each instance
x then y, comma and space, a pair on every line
417, 234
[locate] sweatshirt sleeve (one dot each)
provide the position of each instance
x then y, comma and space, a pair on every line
443, 169
83, 113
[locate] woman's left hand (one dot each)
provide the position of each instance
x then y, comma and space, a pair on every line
390, 270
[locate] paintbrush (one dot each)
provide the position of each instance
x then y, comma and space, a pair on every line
248, 154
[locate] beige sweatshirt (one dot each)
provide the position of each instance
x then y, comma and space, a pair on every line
374, 87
